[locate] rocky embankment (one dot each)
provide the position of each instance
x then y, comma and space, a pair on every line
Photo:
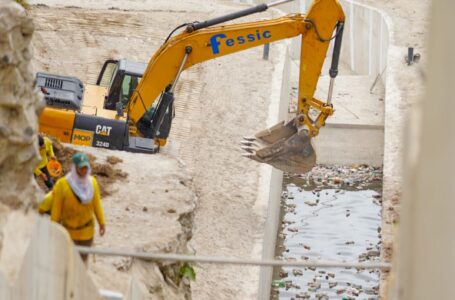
19, 108
148, 208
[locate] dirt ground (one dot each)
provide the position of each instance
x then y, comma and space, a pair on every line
215, 107
148, 211
107, 173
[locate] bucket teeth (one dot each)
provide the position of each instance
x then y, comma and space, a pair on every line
248, 149
249, 138
246, 143
283, 146
249, 143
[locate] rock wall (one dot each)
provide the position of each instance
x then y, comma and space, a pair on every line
19, 107
20, 104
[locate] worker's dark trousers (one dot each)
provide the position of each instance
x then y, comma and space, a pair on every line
87, 243
49, 182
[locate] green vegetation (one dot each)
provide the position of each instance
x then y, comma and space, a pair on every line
24, 3
188, 272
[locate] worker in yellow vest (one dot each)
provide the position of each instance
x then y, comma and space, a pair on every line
46, 151
45, 206
76, 201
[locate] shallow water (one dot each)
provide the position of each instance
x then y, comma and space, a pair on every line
328, 224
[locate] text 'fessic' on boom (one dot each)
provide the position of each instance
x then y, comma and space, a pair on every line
217, 39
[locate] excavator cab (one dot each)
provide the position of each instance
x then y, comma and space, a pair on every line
121, 78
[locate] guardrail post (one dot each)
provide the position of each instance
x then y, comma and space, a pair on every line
265, 55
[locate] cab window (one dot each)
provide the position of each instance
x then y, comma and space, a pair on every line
129, 84
107, 73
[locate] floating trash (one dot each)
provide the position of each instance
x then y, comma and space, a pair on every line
335, 215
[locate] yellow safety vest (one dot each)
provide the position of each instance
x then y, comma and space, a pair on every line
45, 152
76, 217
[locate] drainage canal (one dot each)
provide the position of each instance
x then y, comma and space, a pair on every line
332, 213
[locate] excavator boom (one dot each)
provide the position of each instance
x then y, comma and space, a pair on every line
205, 44
287, 147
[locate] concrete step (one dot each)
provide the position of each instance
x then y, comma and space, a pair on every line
352, 100
354, 134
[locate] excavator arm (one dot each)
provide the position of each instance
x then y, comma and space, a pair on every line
286, 146
204, 45
90, 122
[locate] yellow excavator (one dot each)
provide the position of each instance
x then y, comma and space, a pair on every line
131, 106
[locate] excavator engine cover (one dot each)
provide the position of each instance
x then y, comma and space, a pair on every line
61, 91
283, 146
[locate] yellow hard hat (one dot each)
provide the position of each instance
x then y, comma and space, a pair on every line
54, 168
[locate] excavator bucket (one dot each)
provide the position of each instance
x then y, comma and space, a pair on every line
283, 146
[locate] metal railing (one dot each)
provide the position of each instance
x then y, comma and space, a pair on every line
233, 260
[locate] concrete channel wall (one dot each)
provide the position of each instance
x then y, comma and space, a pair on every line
53, 270
359, 112
357, 126
366, 53
365, 40
271, 179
